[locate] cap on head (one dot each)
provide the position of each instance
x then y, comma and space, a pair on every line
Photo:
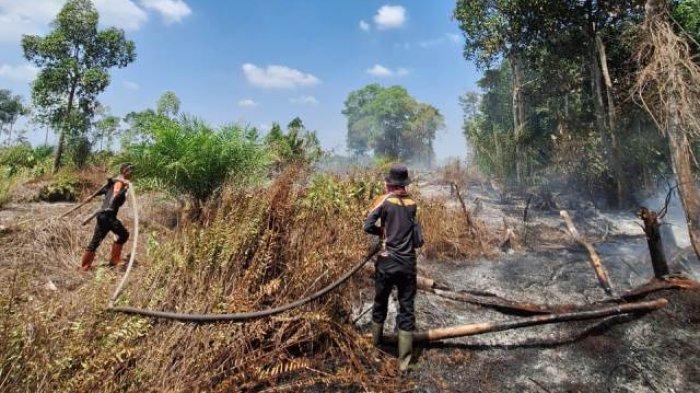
398, 176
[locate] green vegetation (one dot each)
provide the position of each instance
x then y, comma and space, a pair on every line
298, 145
168, 104
74, 60
190, 157
11, 109
391, 123
545, 119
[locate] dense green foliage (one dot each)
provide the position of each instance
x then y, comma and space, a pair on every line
190, 157
555, 106
687, 14
298, 145
389, 122
74, 59
22, 156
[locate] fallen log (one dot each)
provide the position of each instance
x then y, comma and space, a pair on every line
438, 334
655, 285
595, 259
504, 305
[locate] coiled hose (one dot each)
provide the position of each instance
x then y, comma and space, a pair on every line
208, 318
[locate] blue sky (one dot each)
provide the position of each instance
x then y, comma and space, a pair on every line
263, 61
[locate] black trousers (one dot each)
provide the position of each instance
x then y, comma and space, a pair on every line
405, 283
106, 222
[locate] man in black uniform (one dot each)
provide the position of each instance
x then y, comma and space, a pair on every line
114, 196
393, 217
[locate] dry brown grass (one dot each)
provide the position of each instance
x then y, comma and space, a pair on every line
254, 248
449, 235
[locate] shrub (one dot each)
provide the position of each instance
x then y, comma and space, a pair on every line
22, 156
192, 158
6, 183
63, 189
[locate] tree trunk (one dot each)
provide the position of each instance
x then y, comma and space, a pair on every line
62, 137
518, 113
652, 229
688, 189
599, 110
621, 187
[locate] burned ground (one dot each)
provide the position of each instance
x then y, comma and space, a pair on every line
653, 352
657, 352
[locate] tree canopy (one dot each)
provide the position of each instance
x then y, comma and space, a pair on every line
390, 123
74, 61
11, 108
168, 104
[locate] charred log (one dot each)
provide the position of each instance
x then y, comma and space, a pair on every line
488, 327
596, 262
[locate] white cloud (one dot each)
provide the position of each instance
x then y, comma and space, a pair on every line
447, 38
21, 73
456, 38
364, 26
19, 17
247, 103
131, 85
390, 17
171, 10
425, 44
277, 77
379, 70
121, 13
383, 72
304, 100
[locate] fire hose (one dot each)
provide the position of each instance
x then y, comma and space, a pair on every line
204, 318
431, 335
239, 317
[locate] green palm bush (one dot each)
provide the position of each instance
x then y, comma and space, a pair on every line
195, 159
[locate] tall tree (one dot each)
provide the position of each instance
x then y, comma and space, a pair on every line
667, 85
168, 104
391, 123
106, 129
75, 59
11, 109
492, 30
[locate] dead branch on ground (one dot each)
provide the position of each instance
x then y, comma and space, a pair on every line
489, 327
595, 259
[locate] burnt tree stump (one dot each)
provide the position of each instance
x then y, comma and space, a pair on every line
652, 229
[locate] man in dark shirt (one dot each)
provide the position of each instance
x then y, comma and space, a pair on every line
114, 197
393, 218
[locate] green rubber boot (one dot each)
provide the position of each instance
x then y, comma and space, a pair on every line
405, 349
377, 329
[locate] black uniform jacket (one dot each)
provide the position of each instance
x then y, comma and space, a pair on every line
392, 218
